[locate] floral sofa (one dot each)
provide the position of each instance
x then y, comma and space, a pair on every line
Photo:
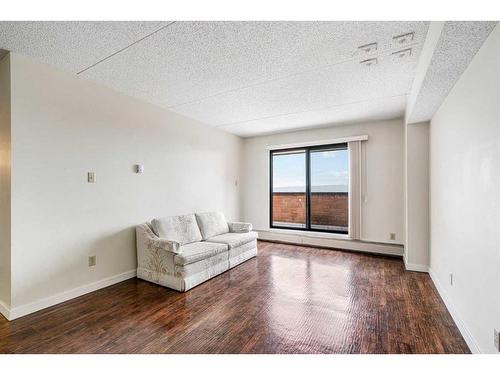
180, 252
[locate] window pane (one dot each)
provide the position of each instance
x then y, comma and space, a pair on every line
289, 189
329, 189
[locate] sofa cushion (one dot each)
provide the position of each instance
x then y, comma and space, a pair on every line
234, 239
239, 227
194, 252
237, 251
183, 229
191, 269
212, 224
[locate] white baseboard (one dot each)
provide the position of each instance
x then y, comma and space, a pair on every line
469, 339
415, 266
19, 311
334, 242
4, 309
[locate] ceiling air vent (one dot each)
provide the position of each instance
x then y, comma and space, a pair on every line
402, 39
367, 49
369, 62
403, 54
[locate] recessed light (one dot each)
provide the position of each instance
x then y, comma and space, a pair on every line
403, 54
403, 39
369, 62
368, 48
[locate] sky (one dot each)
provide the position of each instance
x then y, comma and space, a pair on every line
327, 168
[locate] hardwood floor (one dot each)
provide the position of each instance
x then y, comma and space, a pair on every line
290, 299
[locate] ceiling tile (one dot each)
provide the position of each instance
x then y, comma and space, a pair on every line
260, 75
371, 110
190, 61
72, 46
344, 83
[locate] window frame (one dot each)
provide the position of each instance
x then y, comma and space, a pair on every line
307, 150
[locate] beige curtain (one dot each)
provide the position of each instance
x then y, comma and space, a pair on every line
355, 181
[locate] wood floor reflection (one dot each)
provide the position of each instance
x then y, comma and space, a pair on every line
289, 299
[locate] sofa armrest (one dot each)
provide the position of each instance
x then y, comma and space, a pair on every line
166, 245
147, 240
155, 255
238, 227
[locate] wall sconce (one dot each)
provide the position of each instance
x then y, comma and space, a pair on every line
139, 168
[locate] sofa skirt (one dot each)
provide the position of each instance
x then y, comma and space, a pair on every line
242, 253
183, 278
183, 284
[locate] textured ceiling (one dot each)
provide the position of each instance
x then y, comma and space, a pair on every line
247, 78
250, 77
456, 47
72, 46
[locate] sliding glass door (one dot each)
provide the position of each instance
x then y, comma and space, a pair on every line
288, 189
329, 189
309, 188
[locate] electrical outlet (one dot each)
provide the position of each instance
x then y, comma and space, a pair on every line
393, 236
92, 261
497, 340
91, 177
451, 279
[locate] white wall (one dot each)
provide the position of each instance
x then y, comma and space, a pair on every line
63, 127
465, 196
417, 196
5, 182
382, 213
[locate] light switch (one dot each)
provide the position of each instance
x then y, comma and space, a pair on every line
91, 177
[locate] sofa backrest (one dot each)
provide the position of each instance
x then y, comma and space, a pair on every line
183, 229
212, 224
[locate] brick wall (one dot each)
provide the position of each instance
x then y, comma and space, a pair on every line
329, 209
326, 208
289, 207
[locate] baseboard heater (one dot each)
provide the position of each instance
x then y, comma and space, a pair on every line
332, 243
